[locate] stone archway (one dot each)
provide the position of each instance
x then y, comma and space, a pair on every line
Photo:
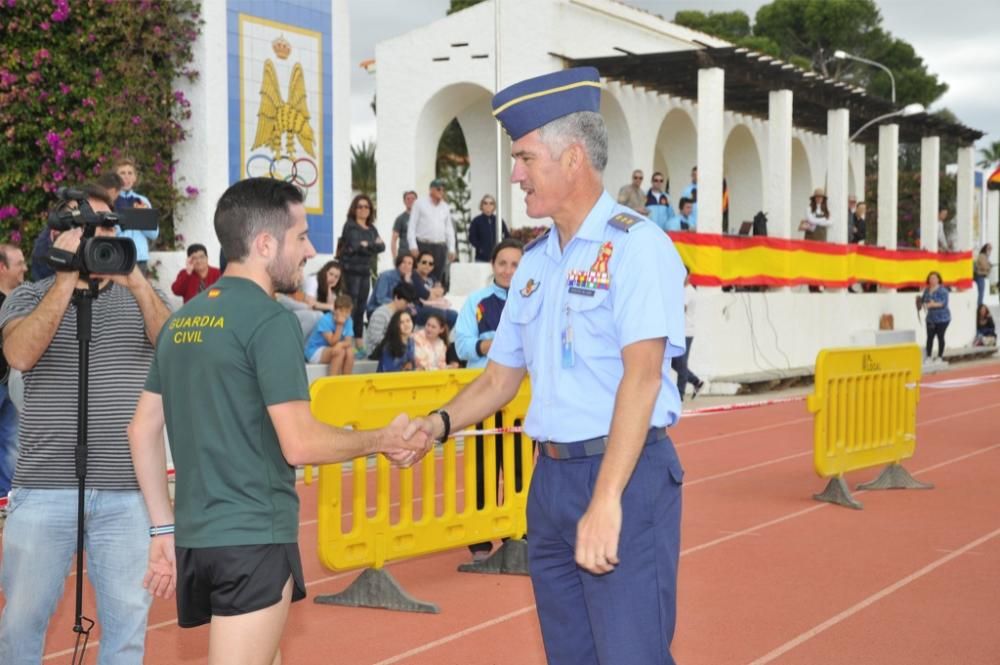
744, 175
676, 151
802, 183
620, 159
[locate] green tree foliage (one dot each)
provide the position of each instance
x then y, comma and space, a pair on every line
82, 85
363, 168
807, 32
990, 155
459, 5
453, 167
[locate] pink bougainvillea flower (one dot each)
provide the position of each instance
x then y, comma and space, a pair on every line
191, 191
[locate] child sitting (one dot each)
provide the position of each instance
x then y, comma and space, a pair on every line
331, 340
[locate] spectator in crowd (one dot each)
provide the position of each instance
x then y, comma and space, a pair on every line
981, 271
986, 330
197, 275
935, 300
431, 344
944, 239
480, 315
403, 297
685, 220
691, 194
474, 333
328, 287
658, 203
817, 217
331, 341
857, 226
852, 207
40, 339
632, 195
359, 242
483, 230
398, 244
12, 270
430, 293
397, 352
657, 194
681, 364
387, 281
431, 230
129, 198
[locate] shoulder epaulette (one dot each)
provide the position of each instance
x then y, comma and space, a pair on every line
538, 240
624, 221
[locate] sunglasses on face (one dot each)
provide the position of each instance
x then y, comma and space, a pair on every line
426, 263
657, 179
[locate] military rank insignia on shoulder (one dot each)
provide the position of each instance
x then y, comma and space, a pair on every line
624, 221
537, 241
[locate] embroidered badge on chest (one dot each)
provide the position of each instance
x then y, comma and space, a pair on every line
588, 282
530, 288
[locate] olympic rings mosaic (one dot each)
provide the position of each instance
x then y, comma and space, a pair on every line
300, 171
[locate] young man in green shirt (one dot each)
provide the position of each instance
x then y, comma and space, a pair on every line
229, 382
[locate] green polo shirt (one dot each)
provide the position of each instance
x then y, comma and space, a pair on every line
221, 360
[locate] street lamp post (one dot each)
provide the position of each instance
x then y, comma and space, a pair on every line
844, 55
909, 109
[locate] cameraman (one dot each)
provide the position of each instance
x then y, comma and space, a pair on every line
40, 339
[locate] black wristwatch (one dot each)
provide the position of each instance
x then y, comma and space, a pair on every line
446, 419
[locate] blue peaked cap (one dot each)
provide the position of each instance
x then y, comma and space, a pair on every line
528, 105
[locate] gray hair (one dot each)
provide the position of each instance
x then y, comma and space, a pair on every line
584, 127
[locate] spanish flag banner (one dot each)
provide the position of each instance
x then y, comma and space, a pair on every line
716, 260
993, 182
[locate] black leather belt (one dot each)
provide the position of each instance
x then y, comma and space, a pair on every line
590, 447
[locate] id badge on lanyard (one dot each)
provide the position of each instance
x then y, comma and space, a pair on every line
568, 354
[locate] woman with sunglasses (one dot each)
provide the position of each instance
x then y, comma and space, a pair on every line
359, 242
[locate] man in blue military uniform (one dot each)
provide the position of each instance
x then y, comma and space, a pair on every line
594, 314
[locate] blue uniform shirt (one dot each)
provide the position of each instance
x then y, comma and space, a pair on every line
643, 298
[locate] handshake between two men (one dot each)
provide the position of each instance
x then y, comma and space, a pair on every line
405, 441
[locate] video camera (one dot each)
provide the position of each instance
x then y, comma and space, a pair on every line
96, 255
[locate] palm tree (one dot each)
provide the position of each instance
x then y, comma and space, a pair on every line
991, 155
363, 168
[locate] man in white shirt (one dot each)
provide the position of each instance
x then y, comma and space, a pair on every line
431, 230
944, 242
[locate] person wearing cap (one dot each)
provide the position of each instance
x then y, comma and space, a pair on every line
593, 316
817, 217
431, 229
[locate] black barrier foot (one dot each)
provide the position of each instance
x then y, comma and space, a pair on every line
510, 559
837, 492
377, 588
895, 477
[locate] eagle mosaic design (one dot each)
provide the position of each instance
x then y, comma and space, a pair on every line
277, 118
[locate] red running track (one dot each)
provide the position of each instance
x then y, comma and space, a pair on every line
767, 574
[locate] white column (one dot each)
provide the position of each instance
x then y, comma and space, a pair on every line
888, 185
837, 132
711, 93
778, 196
964, 197
930, 165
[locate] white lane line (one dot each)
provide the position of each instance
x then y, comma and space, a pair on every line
455, 636
733, 472
871, 600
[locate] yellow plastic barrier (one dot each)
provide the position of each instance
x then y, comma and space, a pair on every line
865, 402
387, 530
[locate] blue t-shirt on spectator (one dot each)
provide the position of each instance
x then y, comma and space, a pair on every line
938, 314
390, 363
326, 324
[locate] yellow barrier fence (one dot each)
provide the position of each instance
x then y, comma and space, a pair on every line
370, 513
865, 402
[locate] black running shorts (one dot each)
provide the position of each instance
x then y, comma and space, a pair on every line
229, 581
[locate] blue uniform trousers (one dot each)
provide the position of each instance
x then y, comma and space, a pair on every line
627, 616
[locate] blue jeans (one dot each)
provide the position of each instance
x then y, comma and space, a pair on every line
8, 439
981, 288
38, 544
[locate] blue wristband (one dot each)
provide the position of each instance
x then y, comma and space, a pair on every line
161, 530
